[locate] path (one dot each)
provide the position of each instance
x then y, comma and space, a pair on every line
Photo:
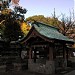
70, 73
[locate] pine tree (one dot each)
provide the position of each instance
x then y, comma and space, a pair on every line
10, 21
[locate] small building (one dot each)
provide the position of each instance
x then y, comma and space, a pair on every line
45, 48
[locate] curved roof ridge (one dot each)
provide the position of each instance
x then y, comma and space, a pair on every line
36, 22
50, 32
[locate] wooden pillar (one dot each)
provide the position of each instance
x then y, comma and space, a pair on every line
34, 55
54, 52
64, 65
30, 52
67, 57
64, 52
50, 53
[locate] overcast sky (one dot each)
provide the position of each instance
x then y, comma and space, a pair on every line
46, 7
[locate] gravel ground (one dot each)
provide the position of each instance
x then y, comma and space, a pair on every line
20, 73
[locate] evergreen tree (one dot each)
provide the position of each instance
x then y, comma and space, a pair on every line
10, 21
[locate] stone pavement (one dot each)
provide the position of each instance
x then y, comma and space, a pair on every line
70, 73
30, 73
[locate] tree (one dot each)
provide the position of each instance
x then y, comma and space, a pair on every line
67, 26
10, 22
12, 30
25, 28
46, 20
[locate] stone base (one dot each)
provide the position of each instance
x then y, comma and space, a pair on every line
17, 67
47, 68
64, 64
50, 67
2, 68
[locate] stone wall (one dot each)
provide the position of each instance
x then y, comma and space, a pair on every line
13, 67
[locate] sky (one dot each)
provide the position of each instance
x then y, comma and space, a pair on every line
46, 7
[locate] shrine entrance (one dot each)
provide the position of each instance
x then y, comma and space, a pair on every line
44, 45
39, 53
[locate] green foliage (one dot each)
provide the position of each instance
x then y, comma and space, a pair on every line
2, 28
47, 20
10, 21
10, 27
12, 30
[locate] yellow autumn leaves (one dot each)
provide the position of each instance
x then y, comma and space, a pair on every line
25, 27
6, 11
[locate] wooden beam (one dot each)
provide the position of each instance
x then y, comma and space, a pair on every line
39, 46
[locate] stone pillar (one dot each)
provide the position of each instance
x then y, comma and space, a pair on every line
50, 67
